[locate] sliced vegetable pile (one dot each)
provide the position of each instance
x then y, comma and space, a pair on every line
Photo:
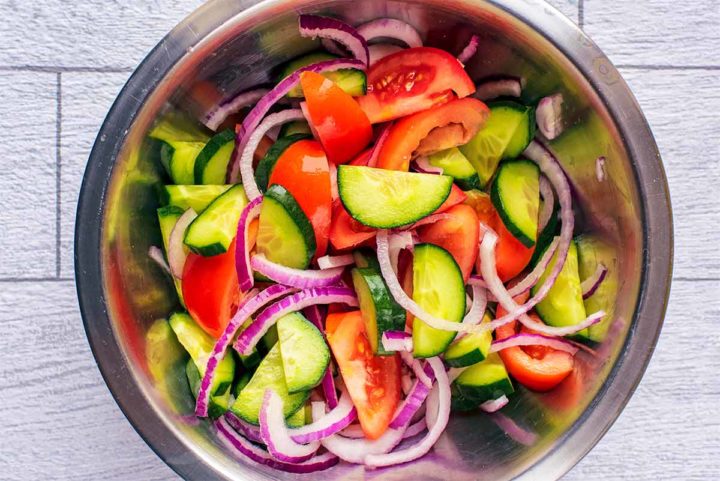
398, 249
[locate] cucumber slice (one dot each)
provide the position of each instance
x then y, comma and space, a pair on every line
179, 158
546, 236
267, 163
212, 231
269, 375
305, 355
380, 312
218, 405
195, 197
592, 251
352, 81
438, 288
481, 382
167, 218
295, 127
177, 127
523, 134
298, 419
496, 140
387, 198
285, 235
240, 382
366, 257
212, 162
470, 349
563, 305
457, 166
199, 345
516, 196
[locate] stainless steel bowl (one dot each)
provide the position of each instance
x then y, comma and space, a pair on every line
231, 45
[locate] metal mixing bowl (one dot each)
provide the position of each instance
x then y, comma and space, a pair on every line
231, 45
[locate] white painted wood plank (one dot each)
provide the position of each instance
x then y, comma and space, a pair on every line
57, 416
90, 33
661, 32
86, 100
27, 183
568, 7
670, 429
681, 107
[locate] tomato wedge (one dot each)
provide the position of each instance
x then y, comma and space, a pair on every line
346, 232
373, 382
458, 234
448, 125
335, 118
304, 171
511, 255
210, 289
537, 368
412, 80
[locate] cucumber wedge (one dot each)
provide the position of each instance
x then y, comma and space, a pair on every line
380, 312
179, 158
352, 81
516, 196
438, 288
218, 405
285, 235
591, 252
387, 198
508, 124
305, 355
212, 162
563, 305
295, 127
457, 166
267, 163
481, 382
212, 231
167, 218
269, 375
195, 197
470, 349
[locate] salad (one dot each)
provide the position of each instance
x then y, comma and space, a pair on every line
371, 243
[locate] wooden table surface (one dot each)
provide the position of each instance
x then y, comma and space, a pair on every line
63, 62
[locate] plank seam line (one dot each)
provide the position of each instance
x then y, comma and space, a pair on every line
58, 173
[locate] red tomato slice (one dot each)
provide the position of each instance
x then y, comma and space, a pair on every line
412, 80
457, 196
304, 171
373, 382
346, 232
210, 289
444, 126
458, 234
335, 118
537, 368
511, 255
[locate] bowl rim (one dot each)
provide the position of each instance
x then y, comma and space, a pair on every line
654, 196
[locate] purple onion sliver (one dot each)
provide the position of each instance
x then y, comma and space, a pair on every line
548, 206
381, 50
248, 430
177, 252
156, 254
328, 383
391, 28
600, 169
217, 115
469, 50
333, 29
326, 424
242, 249
412, 402
549, 116
493, 88
300, 278
592, 283
275, 433
528, 339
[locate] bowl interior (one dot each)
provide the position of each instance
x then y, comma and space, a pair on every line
224, 49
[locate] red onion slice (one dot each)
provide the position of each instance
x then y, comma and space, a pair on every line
275, 433
325, 425
494, 404
372, 161
244, 428
398, 242
391, 28
492, 88
548, 205
177, 252
424, 166
381, 50
298, 301
600, 169
477, 308
355, 450
249, 306
300, 278
259, 455
549, 116
242, 247
415, 429
333, 29
527, 339
431, 219
413, 402
328, 383
397, 341
591, 284
156, 254
416, 367
469, 50
442, 416
251, 123
218, 114
329, 262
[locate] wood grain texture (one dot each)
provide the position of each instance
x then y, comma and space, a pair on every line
27, 191
568, 7
663, 32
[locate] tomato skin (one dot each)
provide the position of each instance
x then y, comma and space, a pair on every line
456, 196
458, 234
346, 232
453, 123
412, 80
535, 367
211, 290
304, 171
335, 117
511, 255
373, 382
